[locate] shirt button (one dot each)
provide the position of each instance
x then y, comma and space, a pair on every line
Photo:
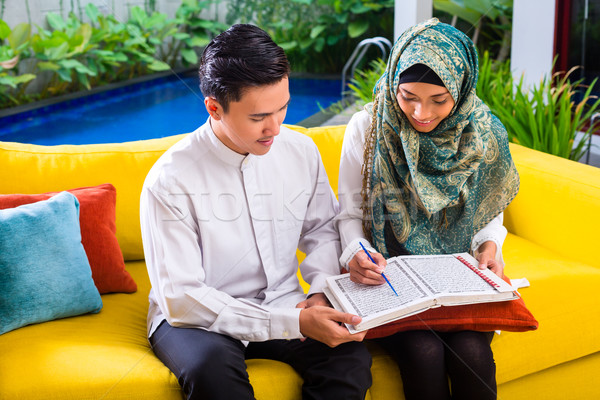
285, 334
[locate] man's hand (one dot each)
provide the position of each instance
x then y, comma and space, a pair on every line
363, 270
487, 258
325, 325
317, 299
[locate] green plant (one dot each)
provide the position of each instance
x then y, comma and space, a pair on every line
364, 81
124, 50
194, 32
61, 50
360, 87
70, 55
106, 57
495, 82
28, 11
150, 5
288, 23
317, 35
488, 22
10, 54
350, 19
545, 117
146, 34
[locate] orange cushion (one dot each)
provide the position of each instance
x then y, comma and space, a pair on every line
510, 315
98, 234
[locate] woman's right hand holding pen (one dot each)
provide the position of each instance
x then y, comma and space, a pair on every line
363, 270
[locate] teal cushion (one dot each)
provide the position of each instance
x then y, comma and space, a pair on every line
44, 271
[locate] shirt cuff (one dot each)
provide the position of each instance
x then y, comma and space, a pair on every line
285, 323
317, 284
353, 248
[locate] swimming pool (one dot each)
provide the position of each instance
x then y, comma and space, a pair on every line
164, 107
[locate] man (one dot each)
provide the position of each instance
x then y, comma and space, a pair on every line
222, 213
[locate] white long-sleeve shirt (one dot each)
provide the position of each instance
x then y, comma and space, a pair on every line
221, 229
349, 221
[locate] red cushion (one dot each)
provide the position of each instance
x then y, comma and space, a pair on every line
97, 220
511, 315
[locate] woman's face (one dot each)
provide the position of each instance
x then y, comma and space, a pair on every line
425, 105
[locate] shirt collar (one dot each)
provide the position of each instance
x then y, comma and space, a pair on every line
223, 152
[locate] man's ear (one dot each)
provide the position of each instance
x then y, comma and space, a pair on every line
213, 108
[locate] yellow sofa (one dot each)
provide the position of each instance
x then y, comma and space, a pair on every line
553, 223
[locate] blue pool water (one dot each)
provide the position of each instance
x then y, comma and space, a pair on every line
151, 110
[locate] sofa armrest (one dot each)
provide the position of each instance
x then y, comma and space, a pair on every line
558, 204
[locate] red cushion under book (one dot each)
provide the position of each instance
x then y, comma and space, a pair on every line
97, 221
510, 315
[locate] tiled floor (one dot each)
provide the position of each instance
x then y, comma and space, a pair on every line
343, 117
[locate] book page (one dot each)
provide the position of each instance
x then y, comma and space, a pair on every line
369, 300
446, 274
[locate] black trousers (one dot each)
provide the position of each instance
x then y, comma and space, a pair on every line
429, 360
209, 365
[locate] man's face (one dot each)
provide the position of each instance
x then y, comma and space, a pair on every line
251, 124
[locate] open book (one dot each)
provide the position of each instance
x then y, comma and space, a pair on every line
422, 282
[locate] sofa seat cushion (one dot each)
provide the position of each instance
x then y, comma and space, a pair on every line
107, 356
561, 297
96, 356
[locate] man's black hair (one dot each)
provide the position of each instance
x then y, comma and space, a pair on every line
241, 57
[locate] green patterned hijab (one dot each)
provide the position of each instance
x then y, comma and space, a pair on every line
434, 190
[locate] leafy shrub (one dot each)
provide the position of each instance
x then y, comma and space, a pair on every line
11, 81
72, 55
317, 35
362, 85
487, 22
546, 117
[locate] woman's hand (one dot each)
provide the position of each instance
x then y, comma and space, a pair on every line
363, 270
487, 258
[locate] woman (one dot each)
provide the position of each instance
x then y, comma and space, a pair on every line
426, 169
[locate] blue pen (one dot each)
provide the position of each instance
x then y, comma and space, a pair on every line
382, 274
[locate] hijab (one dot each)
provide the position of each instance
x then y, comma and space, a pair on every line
434, 190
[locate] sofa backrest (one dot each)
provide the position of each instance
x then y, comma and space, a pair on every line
26, 168
557, 207
558, 204
329, 140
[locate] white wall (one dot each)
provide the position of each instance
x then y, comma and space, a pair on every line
532, 39
410, 12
